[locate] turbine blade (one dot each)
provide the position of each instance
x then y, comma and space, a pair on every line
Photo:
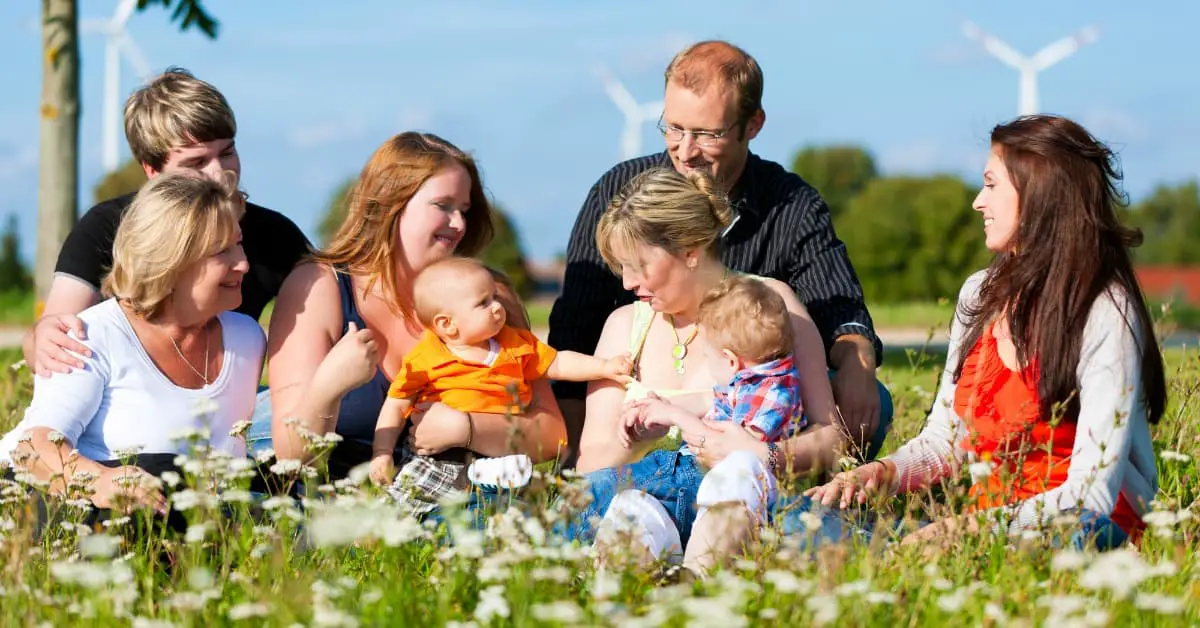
995, 47
134, 55
618, 94
124, 10
1063, 48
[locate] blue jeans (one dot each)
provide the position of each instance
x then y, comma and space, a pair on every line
666, 475
1096, 530
258, 437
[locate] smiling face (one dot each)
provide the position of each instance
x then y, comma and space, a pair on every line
213, 284
434, 220
712, 111
999, 204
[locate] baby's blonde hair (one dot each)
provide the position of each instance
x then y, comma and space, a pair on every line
747, 317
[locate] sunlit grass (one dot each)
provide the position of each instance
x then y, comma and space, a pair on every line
350, 561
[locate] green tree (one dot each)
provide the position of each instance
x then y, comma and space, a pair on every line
1170, 221
124, 180
58, 160
838, 172
14, 276
913, 238
503, 253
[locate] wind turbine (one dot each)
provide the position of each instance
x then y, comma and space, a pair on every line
1030, 66
635, 113
117, 43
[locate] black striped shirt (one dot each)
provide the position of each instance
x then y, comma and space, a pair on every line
782, 230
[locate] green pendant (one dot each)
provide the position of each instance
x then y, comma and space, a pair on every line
679, 351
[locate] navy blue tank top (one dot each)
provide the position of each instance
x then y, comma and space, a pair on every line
360, 407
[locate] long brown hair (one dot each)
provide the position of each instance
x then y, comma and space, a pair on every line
366, 243
1071, 249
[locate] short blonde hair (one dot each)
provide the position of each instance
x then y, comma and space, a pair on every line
747, 317
175, 109
663, 209
367, 243
701, 65
174, 221
437, 281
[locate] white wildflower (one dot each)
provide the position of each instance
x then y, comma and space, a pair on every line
92, 575
811, 522
552, 574
1068, 560
1119, 571
1175, 456
605, 585
942, 584
278, 502
768, 614
330, 617
116, 522
823, 607
492, 604
286, 466
787, 582
237, 496
953, 602
994, 612
980, 471
880, 597
239, 428
196, 533
171, 478
1162, 604
1063, 605
131, 451
55, 436
461, 624
264, 455
188, 499
99, 546
144, 622
562, 611
247, 611
858, 587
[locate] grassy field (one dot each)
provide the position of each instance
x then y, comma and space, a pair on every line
349, 561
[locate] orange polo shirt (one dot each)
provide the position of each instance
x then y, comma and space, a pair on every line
431, 372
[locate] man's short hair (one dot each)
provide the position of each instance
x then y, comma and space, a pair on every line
701, 65
747, 317
174, 221
175, 109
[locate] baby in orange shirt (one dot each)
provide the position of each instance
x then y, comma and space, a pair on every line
472, 361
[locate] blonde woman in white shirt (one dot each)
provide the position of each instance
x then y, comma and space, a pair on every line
1053, 375
165, 353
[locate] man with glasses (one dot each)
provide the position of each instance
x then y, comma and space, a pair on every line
712, 109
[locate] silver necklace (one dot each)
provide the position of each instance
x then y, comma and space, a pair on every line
204, 375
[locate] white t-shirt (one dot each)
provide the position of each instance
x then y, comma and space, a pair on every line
121, 401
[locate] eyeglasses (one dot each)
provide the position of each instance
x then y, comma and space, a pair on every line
703, 138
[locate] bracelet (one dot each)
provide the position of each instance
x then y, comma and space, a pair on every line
470, 430
773, 458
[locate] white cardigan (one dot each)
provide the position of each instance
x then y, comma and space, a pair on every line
1113, 451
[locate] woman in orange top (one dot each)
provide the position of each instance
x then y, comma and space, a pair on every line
1053, 375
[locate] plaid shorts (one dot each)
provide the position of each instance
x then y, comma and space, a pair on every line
423, 482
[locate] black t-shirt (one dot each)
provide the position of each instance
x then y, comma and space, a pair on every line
273, 245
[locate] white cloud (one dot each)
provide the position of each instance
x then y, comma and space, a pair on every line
1114, 125
316, 135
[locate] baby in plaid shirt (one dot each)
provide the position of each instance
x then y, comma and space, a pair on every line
749, 342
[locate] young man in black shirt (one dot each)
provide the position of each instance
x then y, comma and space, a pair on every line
782, 229
176, 122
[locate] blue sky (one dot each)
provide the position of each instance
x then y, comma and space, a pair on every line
317, 85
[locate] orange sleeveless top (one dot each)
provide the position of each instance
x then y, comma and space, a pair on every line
1001, 410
